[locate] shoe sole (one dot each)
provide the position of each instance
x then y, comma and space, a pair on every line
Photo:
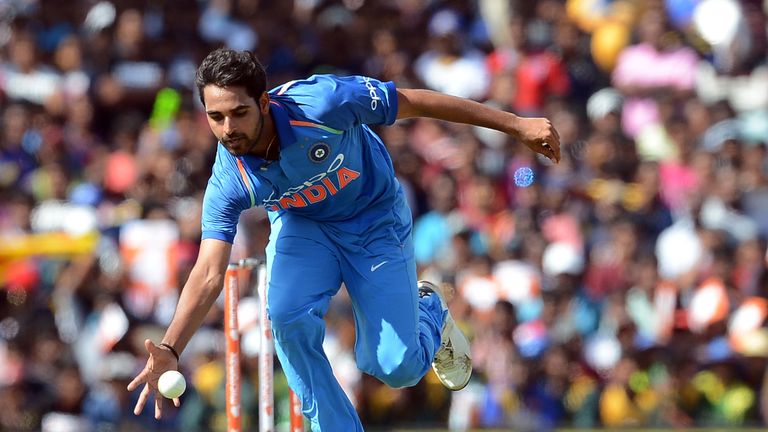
446, 293
464, 341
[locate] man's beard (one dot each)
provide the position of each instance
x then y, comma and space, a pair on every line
239, 144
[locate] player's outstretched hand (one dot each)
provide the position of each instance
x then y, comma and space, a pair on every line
160, 360
539, 135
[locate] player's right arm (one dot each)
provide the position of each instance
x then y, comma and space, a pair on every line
201, 290
204, 285
225, 198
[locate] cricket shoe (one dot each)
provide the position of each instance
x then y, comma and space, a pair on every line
452, 363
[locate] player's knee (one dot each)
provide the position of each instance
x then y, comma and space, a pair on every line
291, 325
402, 376
279, 318
403, 370
284, 312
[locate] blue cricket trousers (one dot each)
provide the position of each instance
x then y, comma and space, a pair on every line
397, 333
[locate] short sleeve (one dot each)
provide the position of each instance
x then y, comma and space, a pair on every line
346, 102
223, 202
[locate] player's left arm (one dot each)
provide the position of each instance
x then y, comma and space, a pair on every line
537, 134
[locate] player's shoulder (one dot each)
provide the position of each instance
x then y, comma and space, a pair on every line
224, 164
228, 180
310, 98
222, 155
312, 85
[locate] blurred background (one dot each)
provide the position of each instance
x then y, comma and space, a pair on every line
624, 287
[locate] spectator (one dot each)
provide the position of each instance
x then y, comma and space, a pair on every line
658, 64
451, 66
609, 290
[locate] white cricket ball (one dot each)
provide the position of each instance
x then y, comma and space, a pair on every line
171, 384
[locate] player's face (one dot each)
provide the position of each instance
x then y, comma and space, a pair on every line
234, 117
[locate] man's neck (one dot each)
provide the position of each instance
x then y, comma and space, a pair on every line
269, 146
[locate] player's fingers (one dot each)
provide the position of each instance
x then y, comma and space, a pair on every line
142, 400
158, 405
133, 385
553, 145
556, 150
176, 402
546, 150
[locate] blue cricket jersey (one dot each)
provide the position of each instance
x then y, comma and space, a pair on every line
333, 168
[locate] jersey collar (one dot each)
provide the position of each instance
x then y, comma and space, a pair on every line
282, 124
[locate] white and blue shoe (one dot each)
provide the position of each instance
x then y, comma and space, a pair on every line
452, 363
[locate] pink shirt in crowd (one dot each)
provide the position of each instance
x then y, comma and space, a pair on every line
643, 66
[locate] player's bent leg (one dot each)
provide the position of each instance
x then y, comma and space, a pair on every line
397, 334
303, 276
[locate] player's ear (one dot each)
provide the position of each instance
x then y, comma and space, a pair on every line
264, 103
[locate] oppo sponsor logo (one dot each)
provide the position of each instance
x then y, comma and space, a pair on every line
372, 93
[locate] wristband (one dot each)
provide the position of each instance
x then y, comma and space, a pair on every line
172, 350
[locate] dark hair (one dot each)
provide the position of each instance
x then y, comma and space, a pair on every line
226, 67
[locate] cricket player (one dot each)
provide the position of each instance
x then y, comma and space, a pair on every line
305, 152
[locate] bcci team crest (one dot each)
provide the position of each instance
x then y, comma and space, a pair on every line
319, 152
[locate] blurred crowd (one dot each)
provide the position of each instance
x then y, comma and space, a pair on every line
625, 286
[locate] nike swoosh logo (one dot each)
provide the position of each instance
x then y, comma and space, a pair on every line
376, 267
